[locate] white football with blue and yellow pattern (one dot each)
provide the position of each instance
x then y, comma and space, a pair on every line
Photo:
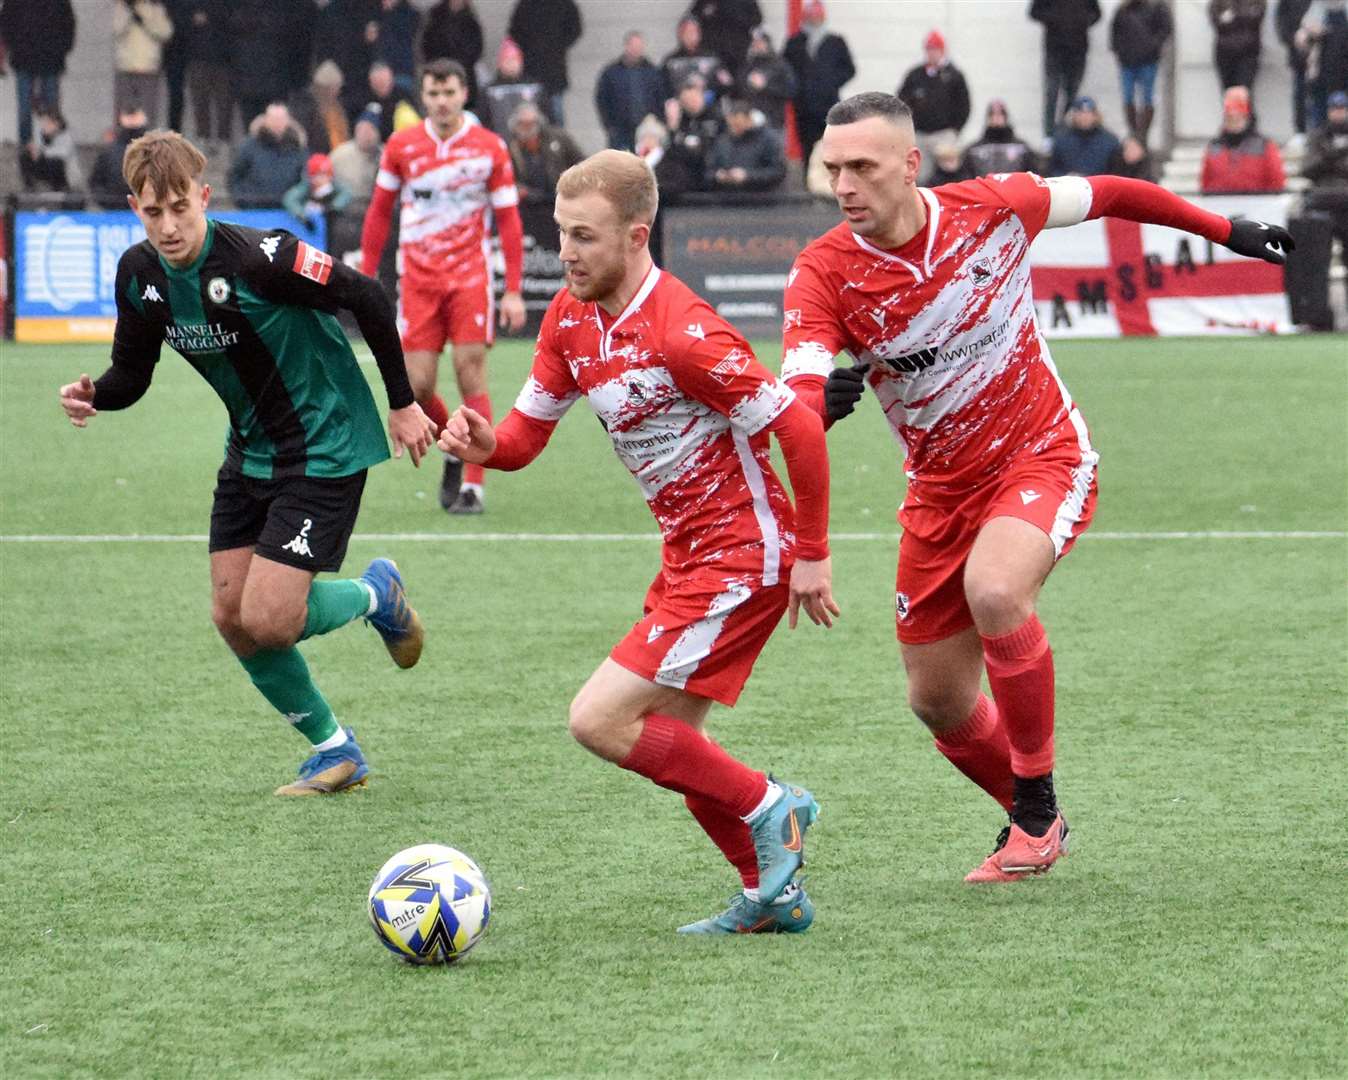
430, 904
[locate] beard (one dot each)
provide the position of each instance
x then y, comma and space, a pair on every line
598, 283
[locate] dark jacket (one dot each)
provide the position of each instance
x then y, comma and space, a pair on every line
684, 164
265, 168
1326, 160
261, 52
1237, 24
1144, 168
1084, 153
396, 45
544, 30
939, 99
727, 26
106, 183
537, 173
455, 35
941, 176
1139, 31
1066, 24
39, 34
999, 151
679, 64
1287, 18
778, 89
821, 76
206, 40
758, 152
497, 100
624, 95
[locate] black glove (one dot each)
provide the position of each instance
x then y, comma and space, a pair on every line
844, 389
1260, 241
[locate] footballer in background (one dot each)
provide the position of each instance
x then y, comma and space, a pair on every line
929, 291
253, 311
689, 411
453, 179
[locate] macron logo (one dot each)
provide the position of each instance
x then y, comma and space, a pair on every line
1028, 496
695, 331
151, 293
269, 246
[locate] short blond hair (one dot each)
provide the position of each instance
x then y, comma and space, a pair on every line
164, 158
622, 178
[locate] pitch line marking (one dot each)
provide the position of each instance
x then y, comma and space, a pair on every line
623, 538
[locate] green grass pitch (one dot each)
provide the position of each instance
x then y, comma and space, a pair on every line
165, 916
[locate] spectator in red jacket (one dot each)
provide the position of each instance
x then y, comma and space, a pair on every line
1240, 159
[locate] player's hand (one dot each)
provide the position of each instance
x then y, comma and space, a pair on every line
468, 436
812, 589
412, 429
513, 315
77, 399
844, 389
1259, 240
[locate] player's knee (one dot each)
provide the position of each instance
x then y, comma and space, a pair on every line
997, 606
423, 384
585, 722
227, 618
940, 708
270, 627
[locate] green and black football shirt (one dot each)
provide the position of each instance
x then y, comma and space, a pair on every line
255, 315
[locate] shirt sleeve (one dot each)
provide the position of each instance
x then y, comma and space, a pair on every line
501, 184
136, 343
389, 177
720, 369
812, 332
1025, 194
550, 388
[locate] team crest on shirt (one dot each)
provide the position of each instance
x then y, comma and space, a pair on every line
901, 605
733, 363
218, 290
981, 272
636, 393
791, 319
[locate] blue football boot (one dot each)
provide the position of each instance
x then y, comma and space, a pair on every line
395, 619
791, 914
330, 771
779, 839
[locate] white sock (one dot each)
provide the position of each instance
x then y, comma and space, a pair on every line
331, 744
775, 791
788, 895
374, 603
476, 489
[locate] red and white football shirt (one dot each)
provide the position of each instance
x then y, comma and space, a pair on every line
947, 325
686, 406
448, 189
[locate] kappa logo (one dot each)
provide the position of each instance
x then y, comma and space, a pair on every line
733, 363
151, 293
313, 264
1028, 496
981, 272
298, 717
695, 331
901, 605
269, 245
300, 544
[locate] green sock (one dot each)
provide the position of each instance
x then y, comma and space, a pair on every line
333, 604
282, 676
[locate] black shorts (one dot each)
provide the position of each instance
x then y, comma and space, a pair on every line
303, 521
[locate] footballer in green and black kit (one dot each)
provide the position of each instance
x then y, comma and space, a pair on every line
255, 315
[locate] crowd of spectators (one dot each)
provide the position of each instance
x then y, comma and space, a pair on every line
716, 114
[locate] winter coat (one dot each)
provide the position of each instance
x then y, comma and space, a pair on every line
545, 30
1237, 25
207, 40
354, 169
1287, 18
139, 30
758, 152
684, 164
1326, 160
304, 207
266, 167
679, 64
396, 44
1138, 32
261, 53
455, 35
1066, 24
625, 95
1084, 153
727, 26
819, 76
939, 99
778, 89
999, 151
498, 100
1247, 162
556, 153
39, 34
106, 183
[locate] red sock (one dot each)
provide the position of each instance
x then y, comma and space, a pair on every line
729, 834
980, 750
479, 403
1020, 672
437, 411
676, 756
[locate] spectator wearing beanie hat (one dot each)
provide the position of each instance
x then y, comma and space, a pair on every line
1240, 159
510, 89
318, 194
938, 95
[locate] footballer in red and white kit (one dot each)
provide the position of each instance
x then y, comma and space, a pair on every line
453, 180
928, 290
689, 411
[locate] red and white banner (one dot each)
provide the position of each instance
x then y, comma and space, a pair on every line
1111, 278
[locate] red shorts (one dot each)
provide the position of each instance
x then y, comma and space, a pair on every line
1054, 491
702, 633
431, 313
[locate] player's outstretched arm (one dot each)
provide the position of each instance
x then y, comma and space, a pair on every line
468, 436
511, 445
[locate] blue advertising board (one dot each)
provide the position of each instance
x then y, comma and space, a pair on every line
65, 267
